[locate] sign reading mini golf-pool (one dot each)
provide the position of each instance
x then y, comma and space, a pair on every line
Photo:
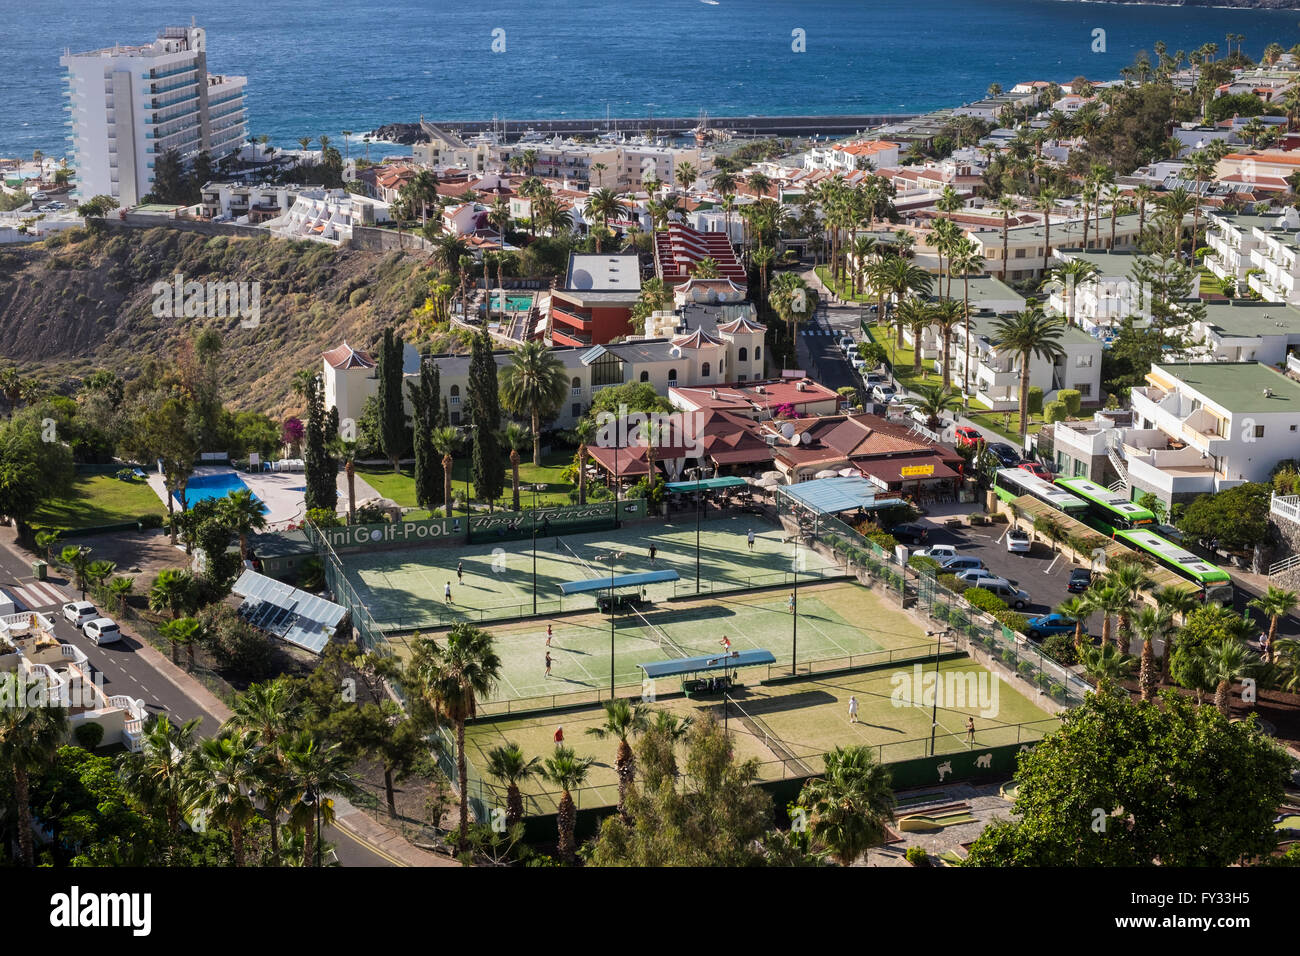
916, 471
416, 532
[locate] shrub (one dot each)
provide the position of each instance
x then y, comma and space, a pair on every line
940, 612
235, 644
1035, 400
1013, 619
88, 735
952, 583
1056, 412
917, 856
984, 600
1025, 669
1060, 648
1008, 657
311, 574
323, 518
922, 562
1056, 691
1073, 399
883, 540
976, 517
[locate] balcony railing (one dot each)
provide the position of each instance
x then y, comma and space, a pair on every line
1286, 506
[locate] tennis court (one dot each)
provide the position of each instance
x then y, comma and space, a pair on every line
405, 589
840, 624
787, 727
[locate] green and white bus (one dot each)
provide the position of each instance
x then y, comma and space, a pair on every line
1108, 510
1012, 483
1214, 582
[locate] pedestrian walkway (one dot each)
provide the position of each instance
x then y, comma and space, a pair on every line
37, 595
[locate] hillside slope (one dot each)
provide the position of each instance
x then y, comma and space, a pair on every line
69, 308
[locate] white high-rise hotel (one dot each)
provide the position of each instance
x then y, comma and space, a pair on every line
132, 104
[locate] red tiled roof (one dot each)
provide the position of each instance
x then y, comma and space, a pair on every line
678, 248
345, 356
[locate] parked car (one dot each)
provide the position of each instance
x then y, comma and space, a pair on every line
872, 379
938, 552
1004, 453
40, 196
1018, 541
1035, 469
1047, 625
884, 393
976, 575
960, 562
967, 437
910, 533
859, 364
1007, 590
1080, 581
102, 630
847, 344
79, 612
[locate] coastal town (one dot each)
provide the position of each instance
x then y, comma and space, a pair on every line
922, 495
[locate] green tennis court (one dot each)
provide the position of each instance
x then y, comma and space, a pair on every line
787, 727
404, 589
840, 624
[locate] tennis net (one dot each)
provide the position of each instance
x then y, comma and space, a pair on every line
665, 642
590, 571
759, 728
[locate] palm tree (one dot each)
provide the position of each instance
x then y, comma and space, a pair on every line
792, 299
1226, 662
317, 770
933, 401
1006, 206
454, 675
1029, 334
966, 259
1110, 601
685, 174
900, 278
30, 736
182, 630
508, 765
1077, 609
1106, 665
1130, 579
944, 315
850, 804
225, 771
1200, 165
172, 591
1150, 624
623, 719
97, 572
445, 441
762, 258
516, 437
157, 773
120, 588
244, 514
534, 384
566, 770
1175, 601
605, 204
266, 708
1070, 275
1273, 604
1045, 203
586, 431
77, 558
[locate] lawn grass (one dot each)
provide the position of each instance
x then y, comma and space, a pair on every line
993, 422
98, 500
901, 358
842, 289
400, 486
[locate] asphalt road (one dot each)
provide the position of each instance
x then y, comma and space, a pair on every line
125, 671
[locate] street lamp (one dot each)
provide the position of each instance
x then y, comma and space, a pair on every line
934, 710
794, 615
608, 557
697, 531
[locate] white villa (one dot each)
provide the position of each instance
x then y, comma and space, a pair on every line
29, 649
328, 215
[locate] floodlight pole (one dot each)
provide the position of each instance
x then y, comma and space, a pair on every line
934, 710
697, 532
794, 615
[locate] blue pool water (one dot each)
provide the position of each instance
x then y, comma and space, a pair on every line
214, 486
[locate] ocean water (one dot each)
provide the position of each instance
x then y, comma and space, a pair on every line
329, 65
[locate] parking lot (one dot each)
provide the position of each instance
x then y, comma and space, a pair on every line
1041, 572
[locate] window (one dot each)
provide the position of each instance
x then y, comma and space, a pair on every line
704, 370
1080, 469
1292, 428
575, 387
1020, 253
672, 378
743, 355
742, 378
576, 409
1259, 431
455, 418
1083, 361
645, 376
607, 370
1084, 388
758, 352
455, 396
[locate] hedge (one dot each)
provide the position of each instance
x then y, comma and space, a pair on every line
985, 600
1073, 399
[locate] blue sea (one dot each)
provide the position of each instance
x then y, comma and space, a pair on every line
329, 65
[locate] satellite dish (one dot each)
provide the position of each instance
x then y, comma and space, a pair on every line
787, 431
806, 438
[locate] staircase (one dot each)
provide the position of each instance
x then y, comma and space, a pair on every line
1117, 461
1286, 564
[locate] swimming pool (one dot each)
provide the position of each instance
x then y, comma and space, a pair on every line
514, 303
203, 487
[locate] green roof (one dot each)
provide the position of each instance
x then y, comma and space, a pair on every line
1238, 387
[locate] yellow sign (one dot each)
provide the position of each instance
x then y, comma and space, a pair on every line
916, 471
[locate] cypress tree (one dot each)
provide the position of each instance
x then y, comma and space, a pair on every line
485, 413
428, 464
392, 414
320, 467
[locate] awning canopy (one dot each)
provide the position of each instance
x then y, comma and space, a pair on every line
706, 484
832, 495
723, 660
890, 470
300, 618
617, 581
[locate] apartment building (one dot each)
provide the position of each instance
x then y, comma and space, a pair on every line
594, 305
1242, 330
709, 346
446, 148
1274, 271
255, 205
328, 215
606, 163
1027, 244
1231, 240
846, 157
130, 105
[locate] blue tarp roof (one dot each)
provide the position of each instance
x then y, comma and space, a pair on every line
709, 662
832, 495
705, 484
619, 581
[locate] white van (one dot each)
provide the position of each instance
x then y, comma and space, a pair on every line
7, 605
